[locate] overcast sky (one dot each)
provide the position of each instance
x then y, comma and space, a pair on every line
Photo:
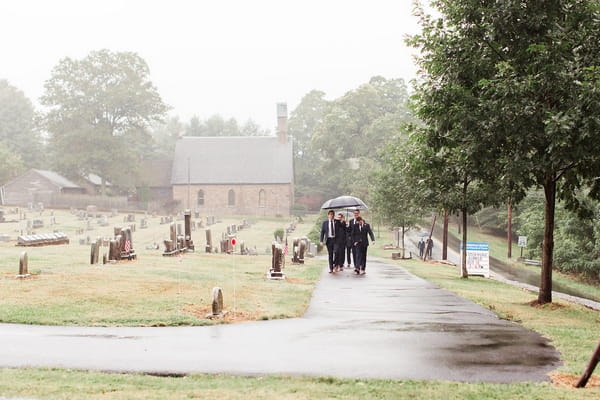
232, 57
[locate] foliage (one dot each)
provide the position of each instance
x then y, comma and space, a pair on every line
99, 111
216, 125
11, 165
299, 210
521, 79
336, 142
165, 134
355, 126
395, 192
577, 239
278, 234
17, 128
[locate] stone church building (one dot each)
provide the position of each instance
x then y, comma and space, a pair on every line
244, 175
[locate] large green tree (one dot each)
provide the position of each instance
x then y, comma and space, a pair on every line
17, 127
304, 120
529, 72
398, 197
99, 111
352, 131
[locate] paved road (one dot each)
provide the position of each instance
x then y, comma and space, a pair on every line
386, 324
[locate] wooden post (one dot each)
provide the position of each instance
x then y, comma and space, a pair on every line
509, 229
589, 369
445, 237
430, 235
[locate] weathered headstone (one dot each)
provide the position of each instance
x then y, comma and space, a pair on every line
276, 261
23, 265
217, 301
187, 217
208, 247
143, 223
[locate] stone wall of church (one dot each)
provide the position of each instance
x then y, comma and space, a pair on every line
258, 200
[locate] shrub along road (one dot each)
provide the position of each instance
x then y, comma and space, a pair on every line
386, 324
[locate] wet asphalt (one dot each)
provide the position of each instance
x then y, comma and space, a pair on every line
385, 324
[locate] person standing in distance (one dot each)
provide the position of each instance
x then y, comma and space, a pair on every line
328, 229
361, 231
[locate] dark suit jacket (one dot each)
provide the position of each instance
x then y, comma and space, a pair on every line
340, 233
325, 229
362, 236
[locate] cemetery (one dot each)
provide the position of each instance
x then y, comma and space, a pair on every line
115, 275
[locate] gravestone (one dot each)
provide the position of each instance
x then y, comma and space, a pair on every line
276, 261
95, 251
242, 248
144, 223
208, 248
187, 218
23, 266
89, 225
302, 250
4, 237
217, 301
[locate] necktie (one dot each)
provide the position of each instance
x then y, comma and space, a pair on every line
331, 233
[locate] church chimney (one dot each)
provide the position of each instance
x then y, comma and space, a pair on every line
282, 118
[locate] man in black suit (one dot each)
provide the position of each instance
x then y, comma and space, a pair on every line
361, 231
340, 243
328, 229
350, 228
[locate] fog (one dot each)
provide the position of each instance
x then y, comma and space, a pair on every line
234, 58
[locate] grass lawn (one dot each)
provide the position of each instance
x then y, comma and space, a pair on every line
156, 290
153, 290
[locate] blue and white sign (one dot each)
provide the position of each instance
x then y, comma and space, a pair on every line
478, 258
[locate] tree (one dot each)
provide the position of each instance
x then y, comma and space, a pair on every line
165, 134
396, 193
99, 112
304, 121
11, 165
17, 130
355, 126
531, 71
216, 125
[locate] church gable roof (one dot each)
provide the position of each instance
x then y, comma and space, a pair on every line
232, 160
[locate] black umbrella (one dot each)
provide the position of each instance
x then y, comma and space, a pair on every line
344, 202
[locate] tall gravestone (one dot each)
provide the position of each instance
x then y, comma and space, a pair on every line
187, 218
276, 261
208, 247
23, 265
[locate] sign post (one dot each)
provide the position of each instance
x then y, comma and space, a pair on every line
522, 243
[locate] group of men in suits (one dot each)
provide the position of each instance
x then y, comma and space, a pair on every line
343, 237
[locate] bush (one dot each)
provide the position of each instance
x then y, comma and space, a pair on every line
278, 234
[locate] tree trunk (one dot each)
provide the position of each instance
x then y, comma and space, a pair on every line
403, 253
463, 261
589, 369
545, 295
445, 237
509, 229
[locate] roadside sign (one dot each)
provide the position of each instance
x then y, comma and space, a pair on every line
522, 241
478, 258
